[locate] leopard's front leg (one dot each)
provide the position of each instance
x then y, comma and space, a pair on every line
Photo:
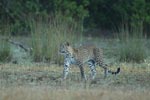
67, 63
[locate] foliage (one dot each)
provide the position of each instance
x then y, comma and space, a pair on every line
16, 11
110, 14
107, 14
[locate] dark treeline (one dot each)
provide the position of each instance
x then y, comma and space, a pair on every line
104, 14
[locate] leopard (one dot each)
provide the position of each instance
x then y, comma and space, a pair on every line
91, 55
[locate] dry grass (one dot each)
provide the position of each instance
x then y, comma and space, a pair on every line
41, 82
46, 93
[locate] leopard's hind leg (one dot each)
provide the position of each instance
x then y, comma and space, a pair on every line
83, 76
91, 64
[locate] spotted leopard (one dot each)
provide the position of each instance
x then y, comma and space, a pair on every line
83, 54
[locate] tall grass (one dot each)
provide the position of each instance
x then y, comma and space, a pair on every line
132, 47
48, 33
5, 52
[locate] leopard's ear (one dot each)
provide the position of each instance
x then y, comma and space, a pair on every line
75, 50
67, 43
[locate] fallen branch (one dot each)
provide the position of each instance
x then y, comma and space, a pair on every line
19, 44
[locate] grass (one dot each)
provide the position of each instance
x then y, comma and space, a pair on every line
132, 47
132, 50
42, 82
48, 33
44, 93
5, 53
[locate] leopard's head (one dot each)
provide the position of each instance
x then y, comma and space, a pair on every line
65, 49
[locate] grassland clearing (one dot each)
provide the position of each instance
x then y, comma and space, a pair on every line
28, 80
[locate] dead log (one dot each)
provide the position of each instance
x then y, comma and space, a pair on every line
26, 49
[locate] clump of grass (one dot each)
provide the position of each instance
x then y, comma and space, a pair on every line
132, 47
47, 34
5, 54
132, 51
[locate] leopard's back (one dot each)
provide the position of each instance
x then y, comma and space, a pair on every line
85, 53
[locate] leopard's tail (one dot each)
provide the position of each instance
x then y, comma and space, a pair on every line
116, 72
